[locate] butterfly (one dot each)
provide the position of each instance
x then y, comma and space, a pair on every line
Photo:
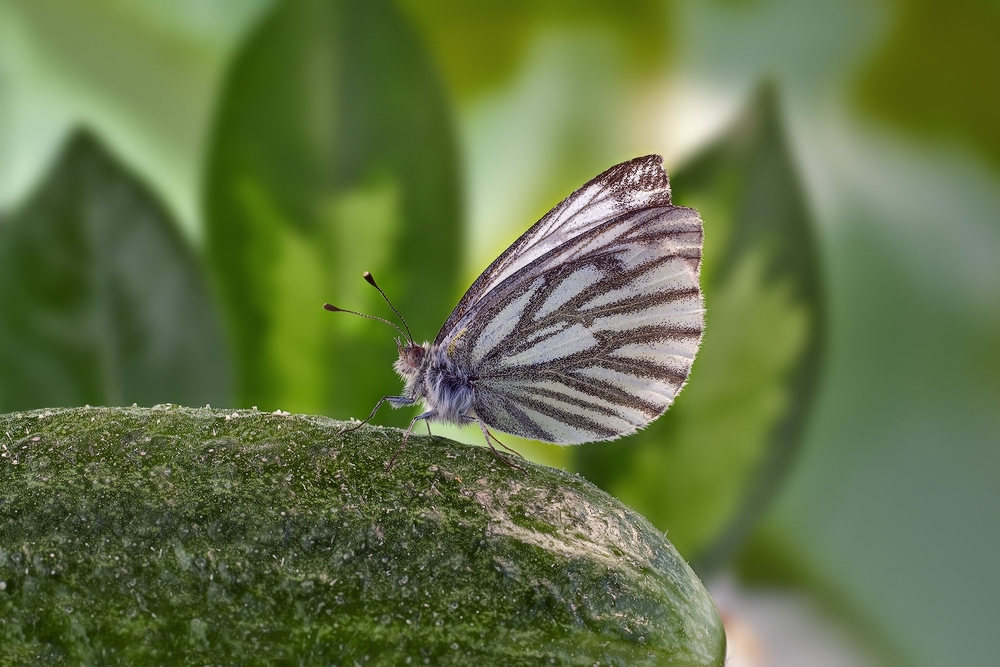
584, 329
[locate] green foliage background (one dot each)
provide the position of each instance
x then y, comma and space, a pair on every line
182, 185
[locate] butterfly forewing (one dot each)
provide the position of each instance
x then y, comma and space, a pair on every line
631, 186
586, 328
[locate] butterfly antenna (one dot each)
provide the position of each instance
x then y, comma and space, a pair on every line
334, 309
371, 281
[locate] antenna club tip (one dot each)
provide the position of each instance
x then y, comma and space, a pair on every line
368, 277
331, 308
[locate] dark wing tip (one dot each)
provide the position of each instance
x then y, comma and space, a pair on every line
639, 175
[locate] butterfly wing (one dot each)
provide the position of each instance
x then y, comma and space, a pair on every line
586, 327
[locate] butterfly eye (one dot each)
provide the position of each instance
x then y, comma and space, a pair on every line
414, 356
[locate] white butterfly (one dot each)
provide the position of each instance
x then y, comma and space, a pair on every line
584, 329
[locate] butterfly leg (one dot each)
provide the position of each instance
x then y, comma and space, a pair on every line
489, 438
430, 414
394, 401
497, 440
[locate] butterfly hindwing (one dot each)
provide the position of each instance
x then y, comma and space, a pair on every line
586, 328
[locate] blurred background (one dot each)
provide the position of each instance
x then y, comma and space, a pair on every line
183, 184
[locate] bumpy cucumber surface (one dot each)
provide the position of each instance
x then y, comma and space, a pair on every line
168, 535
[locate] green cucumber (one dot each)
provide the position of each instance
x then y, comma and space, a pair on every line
167, 535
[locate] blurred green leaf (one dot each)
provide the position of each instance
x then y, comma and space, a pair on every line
705, 469
143, 76
101, 301
334, 154
479, 44
937, 72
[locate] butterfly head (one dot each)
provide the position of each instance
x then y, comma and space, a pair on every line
411, 357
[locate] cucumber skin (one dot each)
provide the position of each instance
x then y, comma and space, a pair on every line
167, 535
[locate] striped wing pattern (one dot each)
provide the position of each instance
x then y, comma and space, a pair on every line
592, 336
630, 186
